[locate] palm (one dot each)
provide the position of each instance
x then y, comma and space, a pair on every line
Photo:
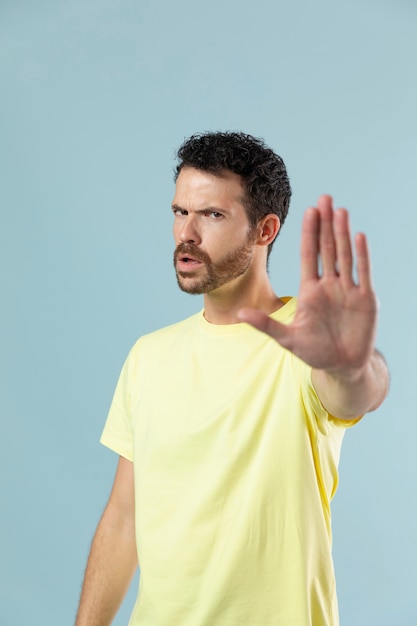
334, 326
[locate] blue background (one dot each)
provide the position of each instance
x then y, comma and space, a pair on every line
95, 98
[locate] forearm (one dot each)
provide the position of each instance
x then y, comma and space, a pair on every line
110, 568
349, 394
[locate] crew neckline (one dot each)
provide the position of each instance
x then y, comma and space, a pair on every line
280, 315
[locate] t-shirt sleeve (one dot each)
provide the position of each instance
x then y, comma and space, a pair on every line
117, 433
321, 412
311, 400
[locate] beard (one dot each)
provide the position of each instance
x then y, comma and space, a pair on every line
218, 273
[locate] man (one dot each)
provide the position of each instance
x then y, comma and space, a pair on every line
229, 438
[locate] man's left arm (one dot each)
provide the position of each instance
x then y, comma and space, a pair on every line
355, 393
334, 326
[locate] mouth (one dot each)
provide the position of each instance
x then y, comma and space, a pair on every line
188, 263
189, 260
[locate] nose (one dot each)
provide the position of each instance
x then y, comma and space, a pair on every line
189, 232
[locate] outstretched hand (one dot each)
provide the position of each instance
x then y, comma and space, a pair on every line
335, 321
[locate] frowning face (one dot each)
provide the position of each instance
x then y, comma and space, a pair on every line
213, 237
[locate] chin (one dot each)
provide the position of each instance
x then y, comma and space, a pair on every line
190, 287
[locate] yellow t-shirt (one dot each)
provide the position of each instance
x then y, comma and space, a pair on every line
235, 464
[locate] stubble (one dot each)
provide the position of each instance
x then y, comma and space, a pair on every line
216, 274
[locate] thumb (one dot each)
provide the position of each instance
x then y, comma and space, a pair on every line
264, 323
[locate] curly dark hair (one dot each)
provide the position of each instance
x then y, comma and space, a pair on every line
264, 176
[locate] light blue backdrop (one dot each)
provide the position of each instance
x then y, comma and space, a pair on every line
95, 97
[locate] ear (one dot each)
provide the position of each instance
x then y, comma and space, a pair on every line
268, 228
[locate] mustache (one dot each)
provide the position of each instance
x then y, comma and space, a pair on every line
193, 250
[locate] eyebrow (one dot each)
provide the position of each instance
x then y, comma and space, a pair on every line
176, 207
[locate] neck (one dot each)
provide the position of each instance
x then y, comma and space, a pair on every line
221, 305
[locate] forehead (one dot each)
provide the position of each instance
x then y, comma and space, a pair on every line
198, 189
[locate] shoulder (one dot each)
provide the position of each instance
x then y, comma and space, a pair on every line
285, 314
163, 336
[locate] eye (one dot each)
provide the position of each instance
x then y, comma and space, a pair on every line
179, 212
214, 214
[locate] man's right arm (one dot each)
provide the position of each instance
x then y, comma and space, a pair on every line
113, 558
